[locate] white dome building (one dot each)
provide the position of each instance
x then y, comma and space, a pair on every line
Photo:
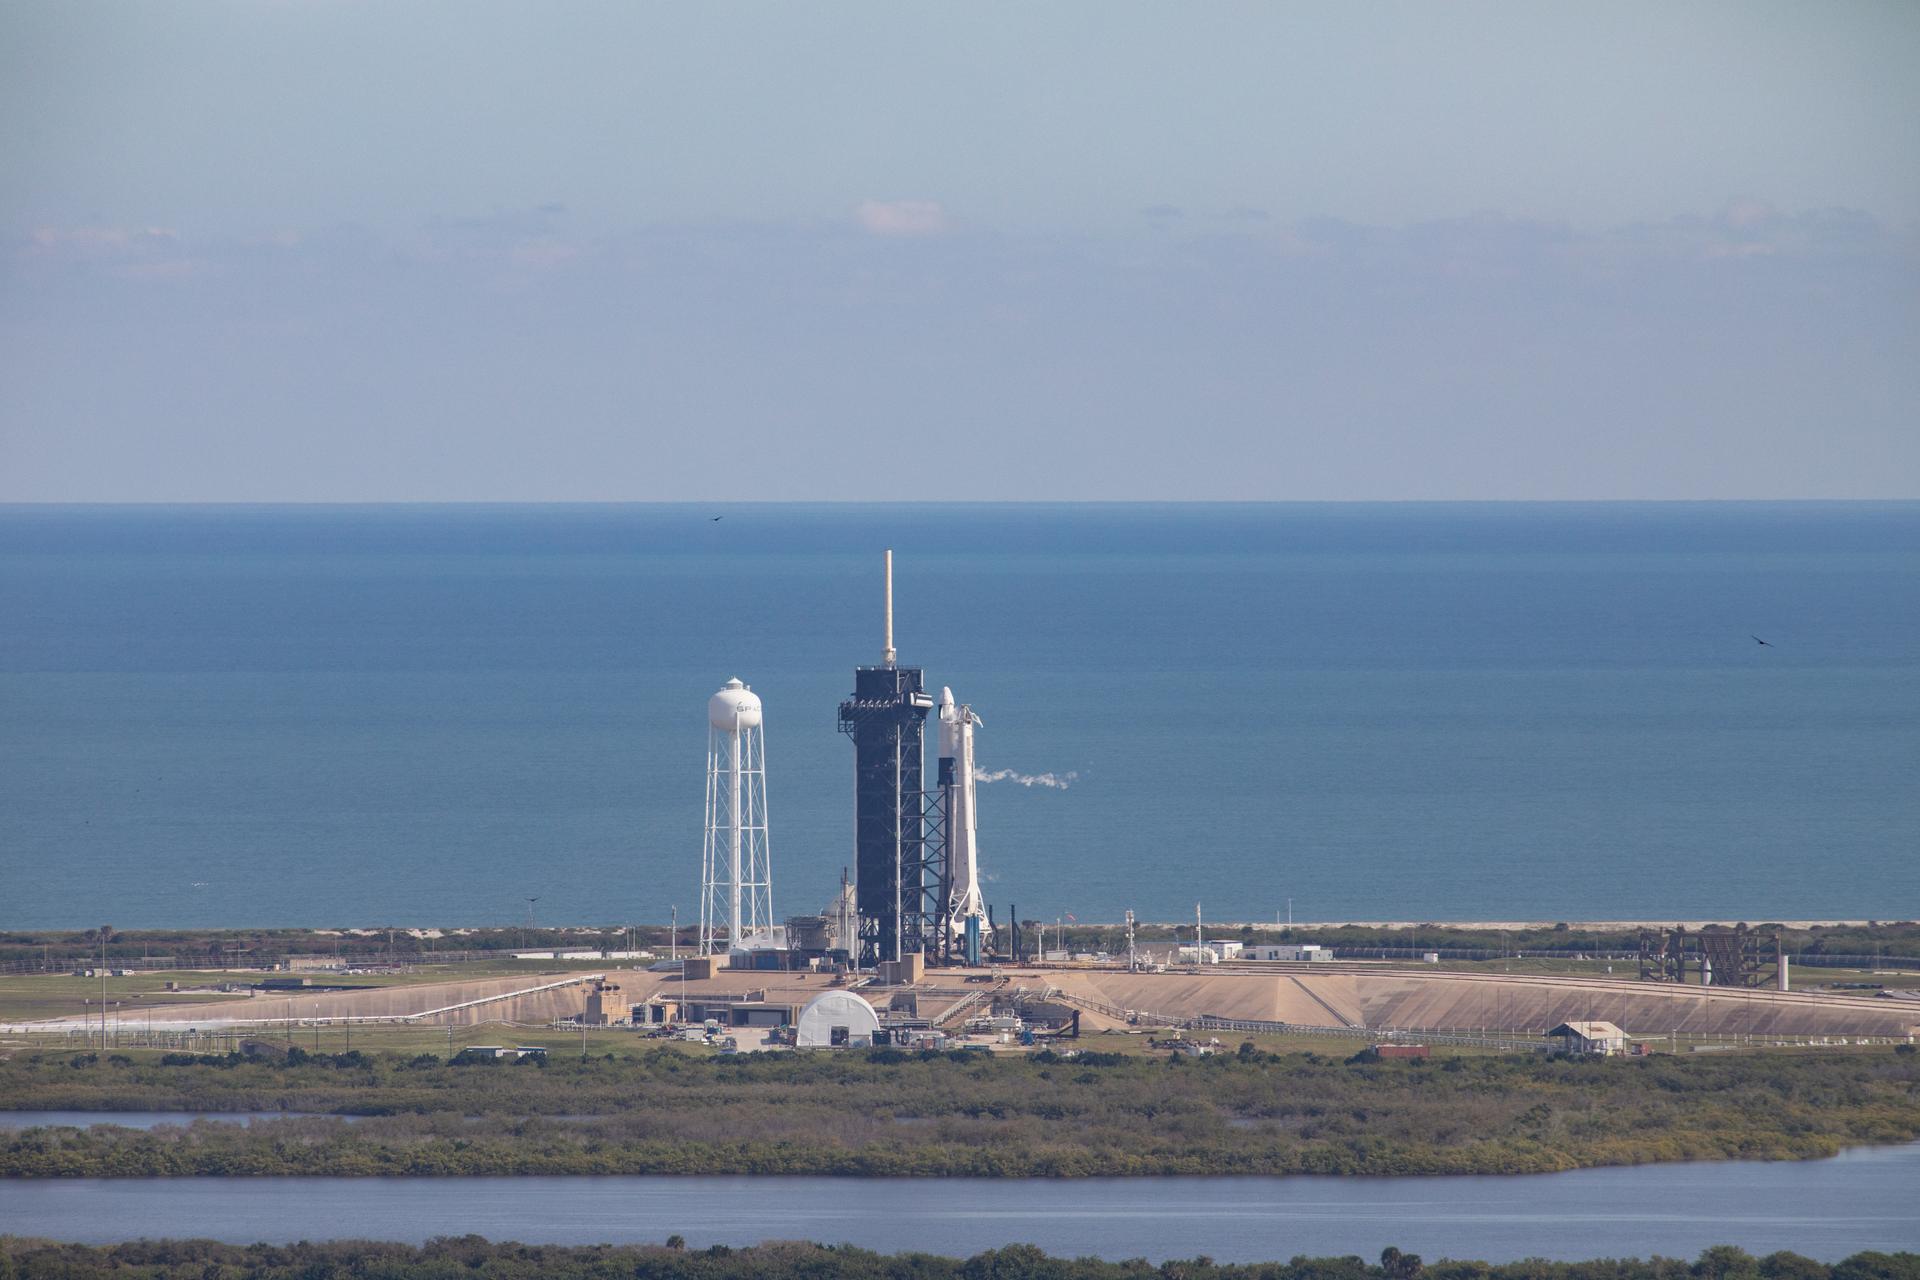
835, 1020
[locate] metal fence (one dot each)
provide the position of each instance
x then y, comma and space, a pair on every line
1372, 1035
185, 1041
405, 960
1808, 959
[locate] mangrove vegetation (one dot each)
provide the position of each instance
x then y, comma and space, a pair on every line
889, 1113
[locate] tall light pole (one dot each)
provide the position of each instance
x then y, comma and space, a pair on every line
104, 931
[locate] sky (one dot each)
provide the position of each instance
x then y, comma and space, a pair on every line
320, 250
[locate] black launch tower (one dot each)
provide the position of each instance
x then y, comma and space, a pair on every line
886, 718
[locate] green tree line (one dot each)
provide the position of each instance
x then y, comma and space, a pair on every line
473, 1258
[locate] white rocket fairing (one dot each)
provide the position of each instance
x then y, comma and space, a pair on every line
957, 723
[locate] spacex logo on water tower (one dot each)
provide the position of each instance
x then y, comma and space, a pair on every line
736, 870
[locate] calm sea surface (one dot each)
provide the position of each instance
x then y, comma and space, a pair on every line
1827, 1210
339, 715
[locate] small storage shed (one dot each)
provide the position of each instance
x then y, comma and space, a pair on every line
1601, 1038
835, 1020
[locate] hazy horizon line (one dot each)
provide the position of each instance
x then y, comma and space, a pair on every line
946, 502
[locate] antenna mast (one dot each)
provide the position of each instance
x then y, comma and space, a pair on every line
887, 655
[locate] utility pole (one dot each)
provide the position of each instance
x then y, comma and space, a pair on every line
847, 938
1131, 966
673, 938
899, 834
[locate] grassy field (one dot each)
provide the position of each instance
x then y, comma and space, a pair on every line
400, 1038
31, 997
1805, 978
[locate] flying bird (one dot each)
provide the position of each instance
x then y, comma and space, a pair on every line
718, 519
1757, 640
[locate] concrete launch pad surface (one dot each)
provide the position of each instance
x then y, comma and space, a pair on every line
1356, 996
1388, 998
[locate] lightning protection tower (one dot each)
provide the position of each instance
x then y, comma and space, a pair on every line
736, 870
898, 879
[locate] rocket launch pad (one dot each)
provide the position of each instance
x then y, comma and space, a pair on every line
885, 717
917, 882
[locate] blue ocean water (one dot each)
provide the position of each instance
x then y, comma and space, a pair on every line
425, 715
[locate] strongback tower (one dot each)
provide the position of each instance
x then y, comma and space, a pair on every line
899, 910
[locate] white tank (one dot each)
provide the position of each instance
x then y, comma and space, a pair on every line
734, 707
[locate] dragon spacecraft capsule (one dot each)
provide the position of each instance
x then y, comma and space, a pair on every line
966, 910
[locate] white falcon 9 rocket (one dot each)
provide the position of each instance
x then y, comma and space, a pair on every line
966, 910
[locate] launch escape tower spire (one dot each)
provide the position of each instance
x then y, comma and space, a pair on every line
899, 875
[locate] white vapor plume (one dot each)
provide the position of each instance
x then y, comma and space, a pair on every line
1053, 781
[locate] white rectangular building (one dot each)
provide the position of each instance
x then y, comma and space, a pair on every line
1287, 951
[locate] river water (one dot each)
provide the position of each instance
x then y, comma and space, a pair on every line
1828, 1209
141, 1119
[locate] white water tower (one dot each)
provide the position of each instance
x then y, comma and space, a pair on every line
736, 871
